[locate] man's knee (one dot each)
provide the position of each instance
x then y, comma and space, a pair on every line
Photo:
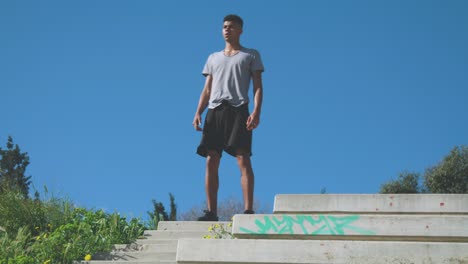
213, 157
243, 160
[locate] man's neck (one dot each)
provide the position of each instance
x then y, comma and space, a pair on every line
232, 46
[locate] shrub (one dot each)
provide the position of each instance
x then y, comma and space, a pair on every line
54, 231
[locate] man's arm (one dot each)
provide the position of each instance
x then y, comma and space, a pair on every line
254, 119
202, 103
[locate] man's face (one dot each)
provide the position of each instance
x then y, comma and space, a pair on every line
231, 31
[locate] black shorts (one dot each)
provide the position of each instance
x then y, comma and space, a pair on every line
225, 129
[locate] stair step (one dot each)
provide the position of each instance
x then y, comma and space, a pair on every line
371, 203
195, 251
127, 262
137, 256
187, 225
159, 246
159, 234
162, 245
448, 228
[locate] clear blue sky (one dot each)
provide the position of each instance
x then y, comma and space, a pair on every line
101, 94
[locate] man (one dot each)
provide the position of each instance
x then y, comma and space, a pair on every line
228, 125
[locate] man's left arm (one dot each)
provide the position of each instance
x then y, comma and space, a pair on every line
254, 119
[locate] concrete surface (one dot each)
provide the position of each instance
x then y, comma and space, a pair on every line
156, 246
372, 203
187, 225
449, 228
196, 251
128, 262
172, 234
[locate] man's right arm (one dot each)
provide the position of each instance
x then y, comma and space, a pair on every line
202, 103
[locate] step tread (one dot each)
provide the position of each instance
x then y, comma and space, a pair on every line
449, 228
372, 203
318, 251
188, 225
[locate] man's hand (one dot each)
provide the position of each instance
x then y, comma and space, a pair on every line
197, 121
253, 121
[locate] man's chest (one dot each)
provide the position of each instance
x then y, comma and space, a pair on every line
239, 63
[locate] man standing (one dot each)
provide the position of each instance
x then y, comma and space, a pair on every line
228, 125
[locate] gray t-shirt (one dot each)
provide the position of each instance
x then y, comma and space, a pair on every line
231, 76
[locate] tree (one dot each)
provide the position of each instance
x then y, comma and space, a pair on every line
159, 212
13, 165
451, 174
406, 183
172, 204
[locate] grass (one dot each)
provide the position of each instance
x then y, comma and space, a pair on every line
53, 230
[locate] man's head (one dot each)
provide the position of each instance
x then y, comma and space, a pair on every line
234, 18
232, 28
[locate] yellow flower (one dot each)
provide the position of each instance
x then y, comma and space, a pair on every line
230, 225
207, 237
87, 257
217, 226
210, 228
47, 261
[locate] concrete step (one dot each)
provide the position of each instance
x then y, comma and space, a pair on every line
169, 245
128, 262
140, 252
196, 251
371, 203
137, 256
159, 234
187, 225
447, 228
157, 242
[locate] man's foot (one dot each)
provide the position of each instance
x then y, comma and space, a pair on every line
249, 212
209, 216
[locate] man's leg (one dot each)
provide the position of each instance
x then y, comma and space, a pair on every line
212, 181
247, 179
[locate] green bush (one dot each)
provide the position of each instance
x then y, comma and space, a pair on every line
18, 212
54, 231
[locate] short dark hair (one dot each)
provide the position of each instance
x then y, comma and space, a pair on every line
234, 18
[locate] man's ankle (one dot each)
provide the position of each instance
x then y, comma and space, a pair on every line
208, 216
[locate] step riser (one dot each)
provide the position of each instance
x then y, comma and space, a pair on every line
138, 256
372, 203
187, 226
127, 262
151, 248
361, 227
319, 252
158, 235
167, 246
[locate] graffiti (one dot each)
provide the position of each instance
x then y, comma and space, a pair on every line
308, 225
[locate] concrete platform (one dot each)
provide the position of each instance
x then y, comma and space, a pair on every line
168, 245
233, 251
160, 234
157, 246
138, 252
448, 228
371, 203
187, 225
127, 262
137, 256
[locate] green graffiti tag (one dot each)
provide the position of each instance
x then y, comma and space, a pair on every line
308, 224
